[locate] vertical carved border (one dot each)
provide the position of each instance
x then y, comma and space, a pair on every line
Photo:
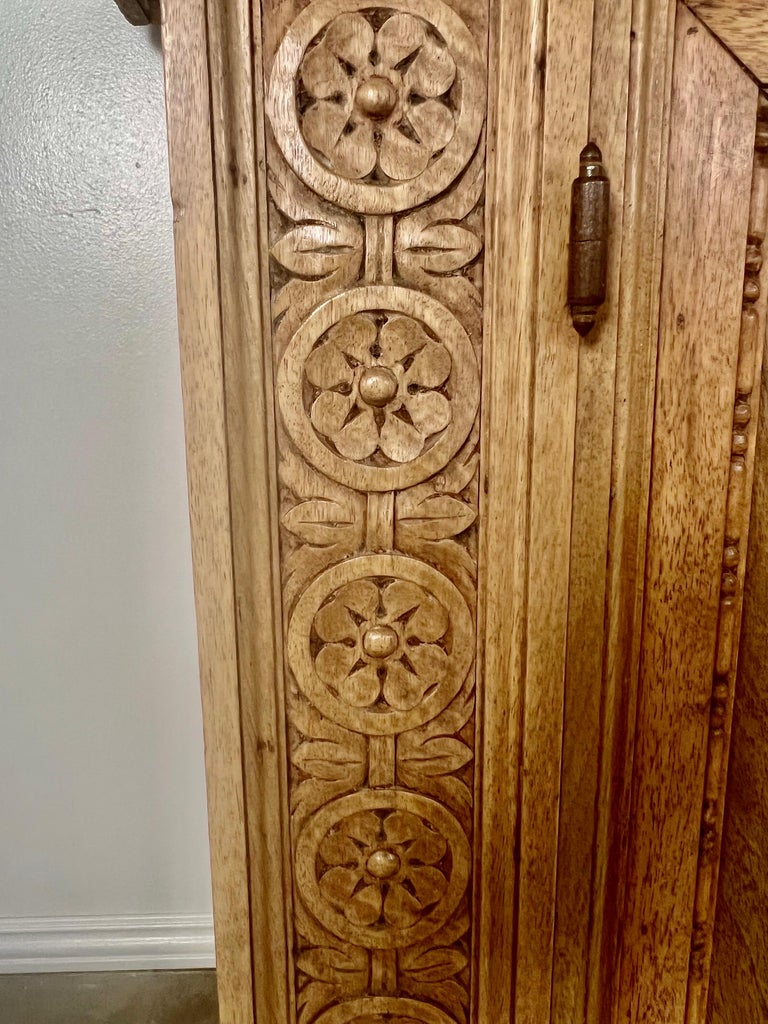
376, 169
751, 341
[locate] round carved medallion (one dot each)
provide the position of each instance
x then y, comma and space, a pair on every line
384, 1010
379, 387
383, 869
377, 108
381, 643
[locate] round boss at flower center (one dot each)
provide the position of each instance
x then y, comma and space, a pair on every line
380, 641
378, 386
383, 864
376, 97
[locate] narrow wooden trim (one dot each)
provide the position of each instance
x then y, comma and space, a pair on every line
241, 197
202, 371
738, 506
512, 239
705, 225
648, 103
552, 449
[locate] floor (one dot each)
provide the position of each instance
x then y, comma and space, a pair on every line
124, 997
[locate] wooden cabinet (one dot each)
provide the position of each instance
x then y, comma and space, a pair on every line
468, 584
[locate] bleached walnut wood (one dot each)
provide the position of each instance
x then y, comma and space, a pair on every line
202, 377
701, 299
372, 112
742, 26
731, 590
432, 500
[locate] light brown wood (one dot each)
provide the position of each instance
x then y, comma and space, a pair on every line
705, 237
739, 971
577, 993
652, 34
249, 403
202, 376
424, 529
737, 515
514, 168
377, 378
555, 385
742, 26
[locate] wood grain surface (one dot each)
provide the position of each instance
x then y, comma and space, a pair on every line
739, 965
202, 375
737, 519
710, 170
742, 26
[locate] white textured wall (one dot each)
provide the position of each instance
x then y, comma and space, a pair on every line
102, 806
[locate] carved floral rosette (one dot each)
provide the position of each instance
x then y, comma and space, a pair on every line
376, 169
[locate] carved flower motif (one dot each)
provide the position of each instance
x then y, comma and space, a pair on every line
380, 640
376, 96
381, 869
377, 387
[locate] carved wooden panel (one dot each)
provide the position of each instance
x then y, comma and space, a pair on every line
375, 154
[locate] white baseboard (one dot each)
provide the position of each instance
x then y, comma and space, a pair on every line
140, 943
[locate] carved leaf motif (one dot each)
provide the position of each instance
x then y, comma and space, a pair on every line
439, 756
316, 249
440, 248
449, 994
340, 967
435, 510
326, 760
433, 964
323, 522
438, 516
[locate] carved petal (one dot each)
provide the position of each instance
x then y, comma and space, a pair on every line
398, 37
323, 124
355, 335
323, 75
433, 72
399, 440
364, 827
429, 848
361, 689
430, 621
434, 124
402, 827
329, 412
402, 689
430, 662
351, 37
361, 596
400, 908
365, 906
400, 337
360, 438
429, 884
354, 154
401, 158
401, 597
334, 623
431, 366
338, 884
326, 367
338, 850
430, 411
334, 662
